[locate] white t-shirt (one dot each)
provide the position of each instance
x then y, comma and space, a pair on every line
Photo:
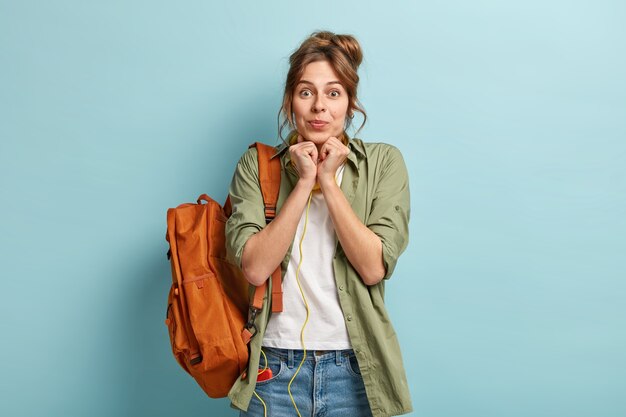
326, 328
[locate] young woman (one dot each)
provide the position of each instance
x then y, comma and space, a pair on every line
341, 224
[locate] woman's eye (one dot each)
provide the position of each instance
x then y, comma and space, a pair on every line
305, 93
334, 93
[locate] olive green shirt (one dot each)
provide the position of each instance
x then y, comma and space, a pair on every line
376, 184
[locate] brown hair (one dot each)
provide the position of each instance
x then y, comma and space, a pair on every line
343, 52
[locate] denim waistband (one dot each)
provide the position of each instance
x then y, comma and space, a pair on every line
295, 355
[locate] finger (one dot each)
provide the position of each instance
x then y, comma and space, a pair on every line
308, 147
302, 146
323, 152
337, 145
305, 150
314, 154
328, 147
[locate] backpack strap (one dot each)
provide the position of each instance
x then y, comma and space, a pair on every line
269, 179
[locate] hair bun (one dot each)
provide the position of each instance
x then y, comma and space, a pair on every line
351, 47
348, 44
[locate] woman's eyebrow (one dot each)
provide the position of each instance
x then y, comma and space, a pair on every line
309, 82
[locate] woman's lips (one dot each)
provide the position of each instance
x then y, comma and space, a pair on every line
316, 124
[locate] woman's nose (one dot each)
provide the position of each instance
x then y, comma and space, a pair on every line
318, 105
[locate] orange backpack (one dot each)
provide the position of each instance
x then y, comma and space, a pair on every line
208, 303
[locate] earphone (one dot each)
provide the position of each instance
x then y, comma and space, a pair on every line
306, 320
306, 305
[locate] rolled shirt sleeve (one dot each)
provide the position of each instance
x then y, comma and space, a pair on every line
390, 210
248, 216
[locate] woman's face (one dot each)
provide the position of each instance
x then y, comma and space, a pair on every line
320, 103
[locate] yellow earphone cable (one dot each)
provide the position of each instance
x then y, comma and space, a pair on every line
306, 305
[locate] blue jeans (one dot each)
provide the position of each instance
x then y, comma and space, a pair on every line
329, 384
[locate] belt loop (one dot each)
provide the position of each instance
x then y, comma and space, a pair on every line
338, 357
290, 358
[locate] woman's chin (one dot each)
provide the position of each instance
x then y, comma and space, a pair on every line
318, 137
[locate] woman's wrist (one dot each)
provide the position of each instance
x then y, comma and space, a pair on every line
306, 184
327, 182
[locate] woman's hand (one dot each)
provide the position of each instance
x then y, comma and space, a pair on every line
332, 154
304, 156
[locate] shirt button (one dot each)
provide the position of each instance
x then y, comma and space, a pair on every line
349, 317
397, 208
341, 287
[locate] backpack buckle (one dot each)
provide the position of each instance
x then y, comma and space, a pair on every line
250, 325
270, 213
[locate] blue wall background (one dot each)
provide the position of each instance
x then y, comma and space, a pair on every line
509, 300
